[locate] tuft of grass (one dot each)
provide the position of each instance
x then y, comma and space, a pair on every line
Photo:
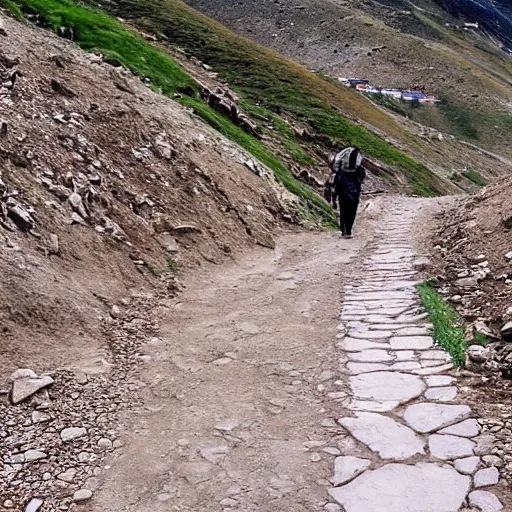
172, 265
448, 330
480, 338
96, 31
12, 9
475, 177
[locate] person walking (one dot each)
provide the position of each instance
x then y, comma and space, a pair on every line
349, 176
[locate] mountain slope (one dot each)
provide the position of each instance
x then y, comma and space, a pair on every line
393, 46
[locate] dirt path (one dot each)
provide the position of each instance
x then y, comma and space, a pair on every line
243, 388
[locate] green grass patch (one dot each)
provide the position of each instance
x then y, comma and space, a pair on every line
12, 9
94, 30
475, 177
448, 330
172, 265
460, 118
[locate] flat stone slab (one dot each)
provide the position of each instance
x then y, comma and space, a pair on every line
411, 342
405, 355
446, 394
347, 468
467, 428
439, 380
356, 345
370, 406
439, 355
383, 435
359, 368
468, 465
450, 447
405, 366
434, 370
371, 356
370, 335
387, 386
486, 477
427, 417
485, 501
404, 488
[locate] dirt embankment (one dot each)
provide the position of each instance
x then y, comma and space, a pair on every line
105, 187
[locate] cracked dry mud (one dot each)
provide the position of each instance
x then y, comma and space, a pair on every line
256, 398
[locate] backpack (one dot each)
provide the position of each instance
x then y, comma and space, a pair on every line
341, 161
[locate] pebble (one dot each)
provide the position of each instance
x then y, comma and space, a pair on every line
104, 444
82, 495
71, 433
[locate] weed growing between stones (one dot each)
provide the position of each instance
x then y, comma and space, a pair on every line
448, 331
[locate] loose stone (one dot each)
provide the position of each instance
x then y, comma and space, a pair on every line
71, 433
82, 495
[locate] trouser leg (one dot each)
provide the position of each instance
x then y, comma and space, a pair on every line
350, 215
342, 215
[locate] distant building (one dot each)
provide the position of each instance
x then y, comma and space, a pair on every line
475, 25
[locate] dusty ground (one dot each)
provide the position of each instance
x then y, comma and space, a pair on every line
233, 411
141, 165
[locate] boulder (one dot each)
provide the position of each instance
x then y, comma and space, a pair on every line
24, 388
478, 353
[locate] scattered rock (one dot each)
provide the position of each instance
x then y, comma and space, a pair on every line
478, 353
82, 495
33, 455
24, 388
72, 433
104, 444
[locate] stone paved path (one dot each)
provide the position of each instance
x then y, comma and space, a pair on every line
418, 447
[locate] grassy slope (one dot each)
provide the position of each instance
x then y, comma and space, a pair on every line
448, 331
265, 79
96, 30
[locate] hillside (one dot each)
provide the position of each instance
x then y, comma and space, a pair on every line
307, 115
392, 44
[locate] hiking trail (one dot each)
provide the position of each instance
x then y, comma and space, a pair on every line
256, 398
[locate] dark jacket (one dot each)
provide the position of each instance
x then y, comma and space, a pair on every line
347, 184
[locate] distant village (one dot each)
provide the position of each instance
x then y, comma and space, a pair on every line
398, 94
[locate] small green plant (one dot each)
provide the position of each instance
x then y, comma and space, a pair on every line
12, 9
172, 265
475, 177
480, 338
448, 331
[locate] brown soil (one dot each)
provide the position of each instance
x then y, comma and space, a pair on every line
159, 168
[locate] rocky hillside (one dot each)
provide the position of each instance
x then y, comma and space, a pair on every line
392, 43
474, 248
105, 186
